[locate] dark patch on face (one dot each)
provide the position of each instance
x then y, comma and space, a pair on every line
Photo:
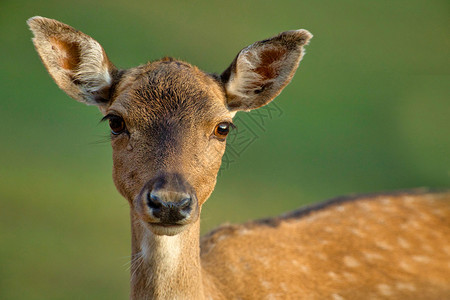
133, 175
169, 136
171, 182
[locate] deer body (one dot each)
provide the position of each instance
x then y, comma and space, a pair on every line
169, 121
369, 247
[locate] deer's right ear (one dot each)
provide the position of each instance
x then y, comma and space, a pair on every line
77, 62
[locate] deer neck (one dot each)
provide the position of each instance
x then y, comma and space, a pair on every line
165, 267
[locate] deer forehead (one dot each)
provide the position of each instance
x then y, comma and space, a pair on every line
169, 91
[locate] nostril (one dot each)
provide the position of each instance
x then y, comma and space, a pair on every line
153, 201
185, 205
169, 211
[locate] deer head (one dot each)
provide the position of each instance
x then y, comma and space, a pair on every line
169, 120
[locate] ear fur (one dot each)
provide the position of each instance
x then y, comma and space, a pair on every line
77, 62
260, 71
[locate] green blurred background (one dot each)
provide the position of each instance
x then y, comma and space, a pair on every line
367, 111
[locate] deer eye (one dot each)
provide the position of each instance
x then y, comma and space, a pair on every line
116, 123
222, 129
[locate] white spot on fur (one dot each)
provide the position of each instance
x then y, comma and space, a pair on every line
404, 226
311, 218
221, 238
383, 245
337, 297
265, 262
386, 201
408, 200
403, 243
322, 256
421, 258
351, 262
415, 225
406, 266
244, 231
357, 232
232, 268
405, 286
349, 276
365, 205
384, 289
265, 284
305, 269
332, 275
372, 255
328, 229
340, 208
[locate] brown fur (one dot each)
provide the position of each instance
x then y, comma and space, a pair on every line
70, 60
377, 247
391, 246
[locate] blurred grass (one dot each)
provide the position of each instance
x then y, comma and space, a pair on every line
368, 110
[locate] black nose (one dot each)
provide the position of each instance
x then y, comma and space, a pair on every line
169, 207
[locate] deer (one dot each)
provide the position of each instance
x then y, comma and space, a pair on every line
169, 122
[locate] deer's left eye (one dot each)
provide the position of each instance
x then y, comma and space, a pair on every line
222, 129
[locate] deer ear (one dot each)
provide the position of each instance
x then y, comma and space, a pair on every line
77, 62
260, 71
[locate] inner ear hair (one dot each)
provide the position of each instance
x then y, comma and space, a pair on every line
261, 71
77, 62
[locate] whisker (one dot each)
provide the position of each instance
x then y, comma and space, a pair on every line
140, 258
101, 141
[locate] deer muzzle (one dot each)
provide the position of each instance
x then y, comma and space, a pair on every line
167, 204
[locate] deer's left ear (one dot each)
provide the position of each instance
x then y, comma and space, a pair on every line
260, 71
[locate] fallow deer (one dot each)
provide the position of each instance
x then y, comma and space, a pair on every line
169, 121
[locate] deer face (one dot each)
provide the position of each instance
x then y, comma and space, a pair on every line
169, 122
168, 119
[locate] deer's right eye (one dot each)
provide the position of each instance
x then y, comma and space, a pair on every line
116, 123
